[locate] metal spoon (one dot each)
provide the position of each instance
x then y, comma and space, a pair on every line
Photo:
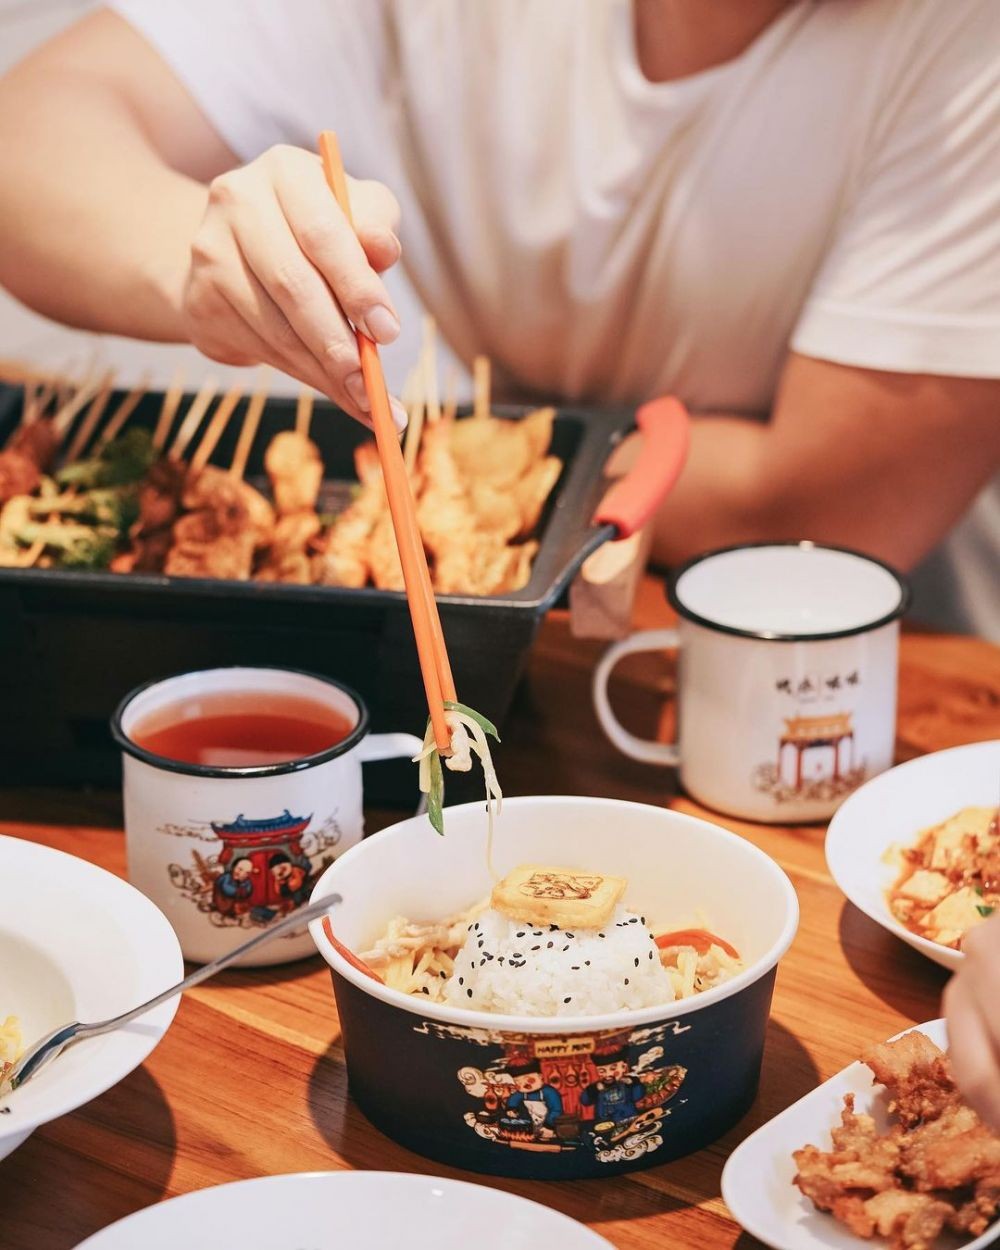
48, 1047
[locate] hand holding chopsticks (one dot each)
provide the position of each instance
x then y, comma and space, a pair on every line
435, 668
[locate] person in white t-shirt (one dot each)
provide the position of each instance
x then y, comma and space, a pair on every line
788, 214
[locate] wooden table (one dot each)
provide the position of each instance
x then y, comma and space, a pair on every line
250, 1079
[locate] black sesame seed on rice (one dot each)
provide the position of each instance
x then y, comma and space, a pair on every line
469, 992
586, 963
424, 989
443, 975
568, 1000
536, 948
565, 949
626, 982
521, 934
549, 945
637, 961
651, 954
461, 980
570, 935
575, 968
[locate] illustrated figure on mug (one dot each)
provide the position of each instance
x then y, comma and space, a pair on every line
574, 1093
262, 870
815, 752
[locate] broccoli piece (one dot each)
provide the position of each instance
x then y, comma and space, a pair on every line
125, 460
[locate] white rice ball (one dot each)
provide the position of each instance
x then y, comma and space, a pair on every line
512, 968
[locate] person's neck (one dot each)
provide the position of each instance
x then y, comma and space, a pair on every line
675, 38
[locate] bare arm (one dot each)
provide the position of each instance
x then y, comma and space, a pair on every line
883, 462
122, 210
101, 153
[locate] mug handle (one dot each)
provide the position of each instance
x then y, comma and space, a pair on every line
629, 744
389, 747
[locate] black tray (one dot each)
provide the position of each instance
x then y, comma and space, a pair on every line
74, 642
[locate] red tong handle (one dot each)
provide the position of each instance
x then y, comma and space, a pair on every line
666, 434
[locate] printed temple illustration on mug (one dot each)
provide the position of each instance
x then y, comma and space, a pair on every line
262, 868
816, 754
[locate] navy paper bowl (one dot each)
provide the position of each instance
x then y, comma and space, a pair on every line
437, 1078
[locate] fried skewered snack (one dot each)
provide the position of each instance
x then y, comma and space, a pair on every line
937, 1169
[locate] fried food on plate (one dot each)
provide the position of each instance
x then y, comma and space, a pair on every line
935, 1170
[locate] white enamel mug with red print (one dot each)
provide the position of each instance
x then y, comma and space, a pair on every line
786, 678
226, 851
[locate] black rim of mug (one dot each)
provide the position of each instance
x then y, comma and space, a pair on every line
305, 762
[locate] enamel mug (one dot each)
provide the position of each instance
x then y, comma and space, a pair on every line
786, 678
226, 851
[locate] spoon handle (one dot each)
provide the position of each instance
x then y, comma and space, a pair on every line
295, 921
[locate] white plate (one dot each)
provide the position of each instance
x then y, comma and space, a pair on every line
76, 943
757, 1180
347, 1211
892, 809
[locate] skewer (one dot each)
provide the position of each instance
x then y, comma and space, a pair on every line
303, 412
450, 394
435, 668
63, 418
219, 421
123, 412
481, 387
428, 363
413, 402
31, 390
248, 432
193, 418
171, 402
89, 423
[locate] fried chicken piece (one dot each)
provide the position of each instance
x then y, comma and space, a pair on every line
916, 1076
229, 558
294, 567
19, 474
383, 556
38, 440
295, 531
908, 1221
937, 1168
345, 558
294, 465
205, 526
218, 491
160, 495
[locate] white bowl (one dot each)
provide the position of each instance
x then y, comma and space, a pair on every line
333, 1210
757, 1181
681, 872
891, 810
76, 943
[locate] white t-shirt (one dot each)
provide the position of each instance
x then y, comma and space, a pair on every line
834, 190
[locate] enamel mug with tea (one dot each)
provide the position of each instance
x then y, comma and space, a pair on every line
786, 678
225, 850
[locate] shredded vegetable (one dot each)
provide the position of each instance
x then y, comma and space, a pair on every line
469, 731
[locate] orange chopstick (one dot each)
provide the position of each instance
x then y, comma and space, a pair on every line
434, 666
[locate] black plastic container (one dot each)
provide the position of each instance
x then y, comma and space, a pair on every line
75, 642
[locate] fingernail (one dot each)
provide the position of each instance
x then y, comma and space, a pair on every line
381, 324
398, 414
354, 385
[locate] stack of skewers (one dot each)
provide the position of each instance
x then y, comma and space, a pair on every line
78, 489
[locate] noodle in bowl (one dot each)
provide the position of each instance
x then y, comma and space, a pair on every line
559, 1095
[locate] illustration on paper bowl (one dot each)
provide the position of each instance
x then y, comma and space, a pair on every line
552, 1094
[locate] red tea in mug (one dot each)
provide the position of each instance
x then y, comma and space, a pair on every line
241, 730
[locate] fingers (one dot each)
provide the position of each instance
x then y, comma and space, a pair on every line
276, 266
974, 1053
325, 237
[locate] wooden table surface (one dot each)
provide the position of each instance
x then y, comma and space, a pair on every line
183, 1120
